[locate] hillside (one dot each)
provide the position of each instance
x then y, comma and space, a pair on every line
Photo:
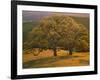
83, 20
27, 27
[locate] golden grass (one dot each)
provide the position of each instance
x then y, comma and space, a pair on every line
43, 54
77, 59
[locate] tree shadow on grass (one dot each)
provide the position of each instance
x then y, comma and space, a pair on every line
37, 63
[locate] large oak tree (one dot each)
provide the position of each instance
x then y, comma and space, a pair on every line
59, 31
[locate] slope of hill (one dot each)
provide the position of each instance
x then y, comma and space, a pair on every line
27, 27
83, 20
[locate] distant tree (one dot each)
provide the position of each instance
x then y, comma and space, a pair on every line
59, 31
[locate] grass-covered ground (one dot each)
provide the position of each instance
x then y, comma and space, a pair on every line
46, 59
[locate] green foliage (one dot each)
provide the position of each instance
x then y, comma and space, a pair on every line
59, 31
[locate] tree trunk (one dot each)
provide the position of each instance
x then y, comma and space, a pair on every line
70, 52
55, 51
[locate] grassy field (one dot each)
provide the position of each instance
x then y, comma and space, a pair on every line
46, 59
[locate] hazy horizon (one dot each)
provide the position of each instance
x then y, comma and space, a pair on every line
37, 15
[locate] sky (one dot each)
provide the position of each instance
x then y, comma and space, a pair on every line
37, 15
